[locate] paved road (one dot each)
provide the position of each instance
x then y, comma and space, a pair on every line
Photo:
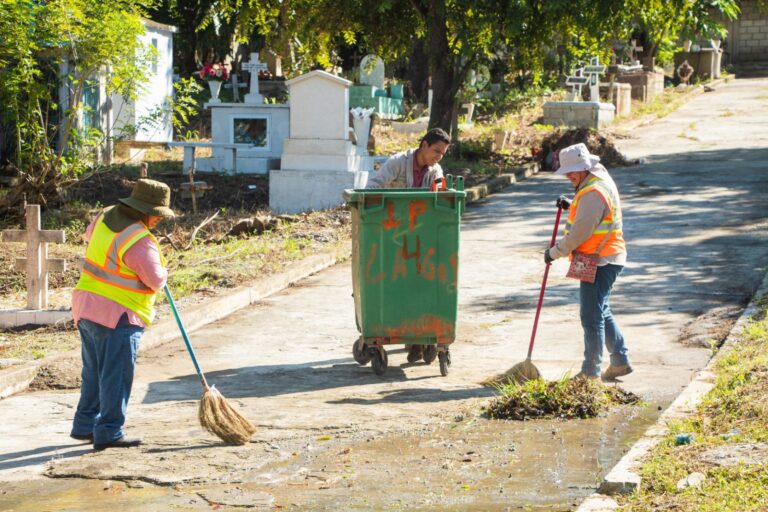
695, 219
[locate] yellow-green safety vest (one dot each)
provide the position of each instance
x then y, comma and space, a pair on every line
105, 273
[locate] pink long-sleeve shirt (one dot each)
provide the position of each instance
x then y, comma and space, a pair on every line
144, 259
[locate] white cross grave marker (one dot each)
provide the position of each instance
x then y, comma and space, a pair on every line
36, 264
593, 71
633, 49
576, 81
254, 67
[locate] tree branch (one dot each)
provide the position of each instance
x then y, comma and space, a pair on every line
198, 228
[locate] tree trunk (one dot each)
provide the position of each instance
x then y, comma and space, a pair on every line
418, 70
441, 67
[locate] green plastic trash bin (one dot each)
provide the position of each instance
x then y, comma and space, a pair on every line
405, 270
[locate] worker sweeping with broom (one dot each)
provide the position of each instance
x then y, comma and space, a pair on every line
112, 304
594, 242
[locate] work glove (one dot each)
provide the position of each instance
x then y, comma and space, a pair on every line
563, 202
547, 258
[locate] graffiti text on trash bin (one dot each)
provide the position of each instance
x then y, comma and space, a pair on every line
408, 246
425, 325
415, 208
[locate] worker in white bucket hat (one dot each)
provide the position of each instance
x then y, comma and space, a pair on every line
594, 229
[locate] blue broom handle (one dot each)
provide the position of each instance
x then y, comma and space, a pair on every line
184, 334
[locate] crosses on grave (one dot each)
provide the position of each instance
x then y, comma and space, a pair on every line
576, 82
36, 264
633, 49
254, 67
593, 71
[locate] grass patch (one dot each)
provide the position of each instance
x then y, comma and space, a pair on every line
34, 344
565, 398
730, 418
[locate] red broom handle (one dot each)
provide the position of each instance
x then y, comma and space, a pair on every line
544, 284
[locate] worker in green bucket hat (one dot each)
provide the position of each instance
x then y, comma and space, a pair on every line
112, 304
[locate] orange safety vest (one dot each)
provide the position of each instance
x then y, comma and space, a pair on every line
105, 273
610, 226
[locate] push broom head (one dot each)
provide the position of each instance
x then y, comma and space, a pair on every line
520, 373
219, 418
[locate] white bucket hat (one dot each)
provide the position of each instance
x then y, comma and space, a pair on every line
576, 158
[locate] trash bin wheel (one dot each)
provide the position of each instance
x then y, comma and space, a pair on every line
445, 362
379, 360
360, 352
430, 353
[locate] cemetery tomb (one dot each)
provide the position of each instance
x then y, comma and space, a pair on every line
319, 160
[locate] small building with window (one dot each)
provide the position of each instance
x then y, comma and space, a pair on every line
144, 121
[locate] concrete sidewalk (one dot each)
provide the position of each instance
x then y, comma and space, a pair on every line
696, 227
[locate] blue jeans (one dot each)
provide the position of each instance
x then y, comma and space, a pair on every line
598, 322
109, 359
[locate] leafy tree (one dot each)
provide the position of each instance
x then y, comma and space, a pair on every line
94, 39
663, 21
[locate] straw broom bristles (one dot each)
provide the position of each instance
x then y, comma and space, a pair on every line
221, 419
520, 373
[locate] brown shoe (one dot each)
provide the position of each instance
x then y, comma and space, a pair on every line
584, 376
612, 372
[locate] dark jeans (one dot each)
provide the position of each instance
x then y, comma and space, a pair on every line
109, 359
598, 322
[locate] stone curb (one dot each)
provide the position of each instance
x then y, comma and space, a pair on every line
17, 378
624, 477
501, 182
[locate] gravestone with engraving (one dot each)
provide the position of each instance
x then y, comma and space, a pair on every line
319, 160
371, 93
254, 67
372, 71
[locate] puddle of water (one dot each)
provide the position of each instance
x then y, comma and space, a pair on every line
469, 465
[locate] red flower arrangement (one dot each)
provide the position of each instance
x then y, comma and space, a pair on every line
215, 72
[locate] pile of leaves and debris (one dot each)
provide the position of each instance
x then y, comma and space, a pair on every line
566, 398
599, 144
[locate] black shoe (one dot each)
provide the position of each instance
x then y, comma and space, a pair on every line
415, 353
82, 437
123, 442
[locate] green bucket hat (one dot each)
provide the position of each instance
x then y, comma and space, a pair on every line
150, 197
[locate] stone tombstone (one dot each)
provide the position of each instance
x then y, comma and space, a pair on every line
37, 264
634, 49
254, 66
372, 71
319, 106
593, 71
576, 82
